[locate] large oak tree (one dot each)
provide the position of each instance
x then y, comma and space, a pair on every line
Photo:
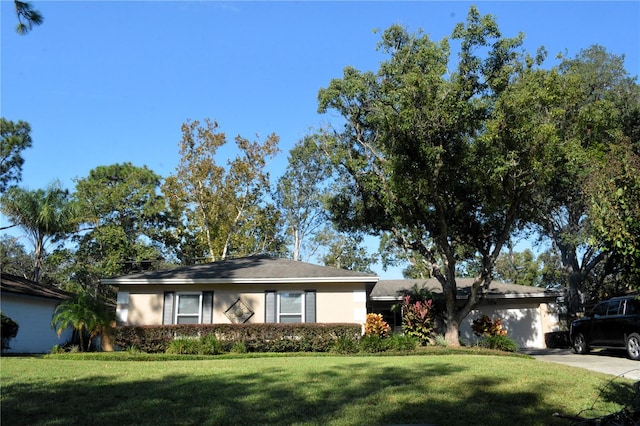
444, 159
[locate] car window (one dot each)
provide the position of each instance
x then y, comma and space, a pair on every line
601, 309
633, 307
614, 307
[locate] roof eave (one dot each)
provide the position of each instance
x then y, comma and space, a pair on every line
487, 296
186, 281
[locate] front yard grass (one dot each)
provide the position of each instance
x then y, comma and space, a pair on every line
448, 389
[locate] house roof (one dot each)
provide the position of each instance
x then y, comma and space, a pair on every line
395, 289
18, 285
248, 270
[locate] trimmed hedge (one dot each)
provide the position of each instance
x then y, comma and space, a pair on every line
312, 337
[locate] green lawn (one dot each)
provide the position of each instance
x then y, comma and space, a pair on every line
338, 390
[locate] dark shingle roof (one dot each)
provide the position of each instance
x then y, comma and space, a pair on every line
18, 285
394, 289
246, 269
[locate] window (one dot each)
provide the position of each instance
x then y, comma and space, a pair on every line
290, 307
614, 307
122, 306
123, 298
601, 309
188, 308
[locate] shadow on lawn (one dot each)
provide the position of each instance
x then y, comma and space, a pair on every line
353, 396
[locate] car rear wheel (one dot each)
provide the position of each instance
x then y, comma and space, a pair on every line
633, 346
580, 344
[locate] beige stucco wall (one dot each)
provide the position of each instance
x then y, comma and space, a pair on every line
335, 302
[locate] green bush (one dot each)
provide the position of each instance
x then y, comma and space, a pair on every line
238, 348
8, 331
402, 343
372, 344
440, 340
185, 346
500, 342
344, 345
210, 345
314, 337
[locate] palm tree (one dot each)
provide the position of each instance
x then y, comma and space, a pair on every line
84, 314
45, 215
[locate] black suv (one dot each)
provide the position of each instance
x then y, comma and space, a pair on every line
614, 323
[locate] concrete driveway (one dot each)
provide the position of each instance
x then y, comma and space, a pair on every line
610, 362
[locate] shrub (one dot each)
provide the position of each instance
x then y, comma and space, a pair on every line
210, 345
344, 345
371, 343
501, 342
376, 326
316, 337
238, 348
418, 319
440, 340
8, 331
485, 326
402, 343
185, 346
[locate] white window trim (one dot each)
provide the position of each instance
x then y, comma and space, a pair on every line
302, 305
177, 306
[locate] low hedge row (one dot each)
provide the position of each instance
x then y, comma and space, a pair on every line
316, 337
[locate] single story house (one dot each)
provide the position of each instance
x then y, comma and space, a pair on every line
260, 289
527, 312
31, 306
253, 289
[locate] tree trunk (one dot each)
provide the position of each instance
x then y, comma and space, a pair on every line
452, 332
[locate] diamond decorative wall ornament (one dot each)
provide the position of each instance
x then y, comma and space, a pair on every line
238, 312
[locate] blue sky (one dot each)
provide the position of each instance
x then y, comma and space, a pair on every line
111, 82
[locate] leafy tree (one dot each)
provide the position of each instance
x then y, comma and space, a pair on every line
518, 267
301, 191
344, 251
593, 103
614, 208
15, 139
84, 314
123, 221
14, 259
27, 17
551, 272
444, 161
45, 215
218, 206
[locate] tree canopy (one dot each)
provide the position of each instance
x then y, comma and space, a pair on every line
28, 17
301, 192
445, 161
122, 221
15, 138
45, 215
221, 206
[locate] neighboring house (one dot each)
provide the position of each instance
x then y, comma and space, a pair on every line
253, 289
526, 312
31, 306
261, 289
